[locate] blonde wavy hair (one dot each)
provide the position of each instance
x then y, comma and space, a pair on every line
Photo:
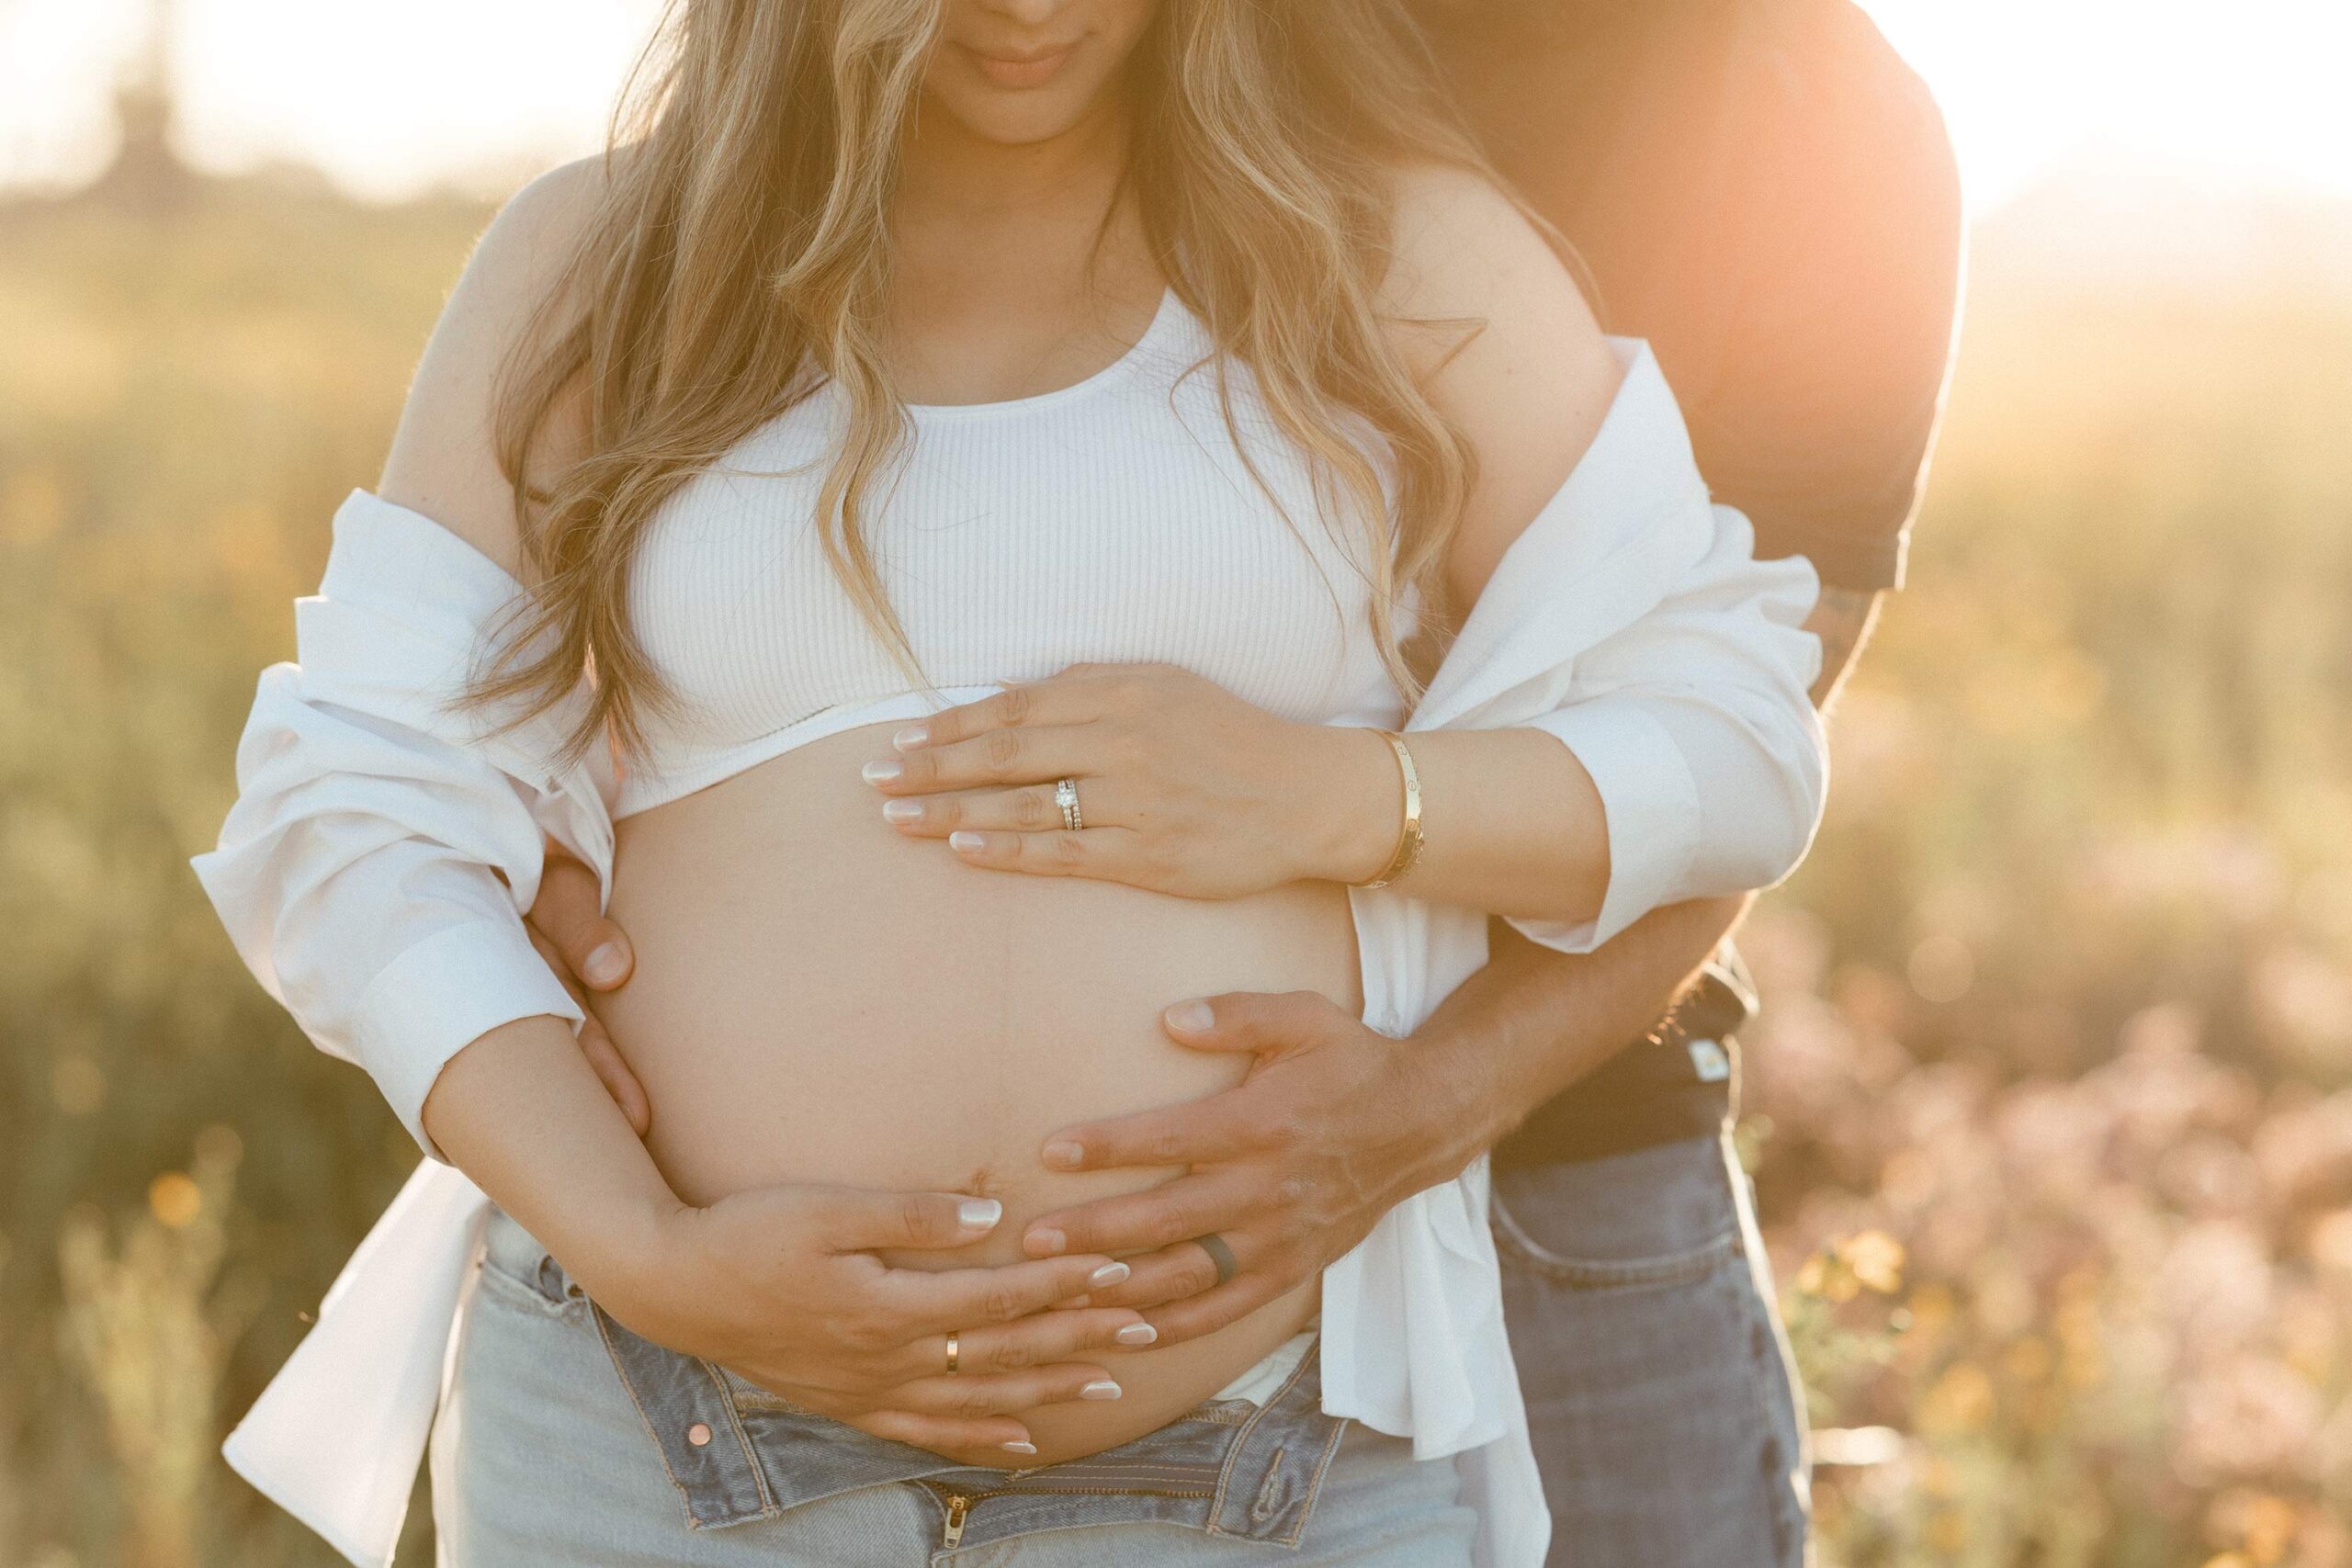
738, 259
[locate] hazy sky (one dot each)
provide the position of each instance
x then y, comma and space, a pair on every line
393, 97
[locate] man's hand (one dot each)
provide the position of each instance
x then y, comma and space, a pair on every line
1335, 1126
588, 953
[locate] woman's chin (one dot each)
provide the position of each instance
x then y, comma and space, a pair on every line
1013, 123
992, 112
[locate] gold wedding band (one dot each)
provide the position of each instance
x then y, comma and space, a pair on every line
954, 1352
1066, 798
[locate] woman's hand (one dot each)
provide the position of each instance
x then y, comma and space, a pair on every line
780, 1282
1182, 788
781, 1285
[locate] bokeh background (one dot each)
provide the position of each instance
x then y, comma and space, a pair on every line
2051, 1111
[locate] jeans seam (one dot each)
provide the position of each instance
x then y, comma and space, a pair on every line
1685, 1267
1239, 1444
652, 1433
1315, 1482
1767, 1377
1772, 1380
769, 1507
1233, 1452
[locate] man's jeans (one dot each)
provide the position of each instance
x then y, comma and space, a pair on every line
1658, 1381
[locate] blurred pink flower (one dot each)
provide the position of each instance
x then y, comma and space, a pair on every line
2053, 1137
2215, 1289
2211, 1176
2330, 1247
2159, 1090
2305, 1152
2246, 1418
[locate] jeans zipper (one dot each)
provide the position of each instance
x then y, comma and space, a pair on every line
960, 1503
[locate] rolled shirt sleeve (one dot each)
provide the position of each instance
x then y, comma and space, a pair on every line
1697, 729
375, 869
1632, 621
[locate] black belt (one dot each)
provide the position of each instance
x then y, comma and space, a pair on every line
1680, 1081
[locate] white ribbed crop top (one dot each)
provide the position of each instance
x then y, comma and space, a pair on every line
1111, 521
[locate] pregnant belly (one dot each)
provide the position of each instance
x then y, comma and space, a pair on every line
819, 999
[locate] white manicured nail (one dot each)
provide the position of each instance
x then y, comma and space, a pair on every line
1108, 1275
902, 811
881, 772
978, 1213
909, 737
967, 842
1020, 1447
1102, 1388
1136, 1334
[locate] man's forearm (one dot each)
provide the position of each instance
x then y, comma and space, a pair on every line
1533, 1022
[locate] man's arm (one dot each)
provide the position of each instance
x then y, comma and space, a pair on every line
1337, 1124
1823, 442
1499, 1039
1843, 620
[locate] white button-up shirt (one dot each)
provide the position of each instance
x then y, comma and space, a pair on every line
384, 847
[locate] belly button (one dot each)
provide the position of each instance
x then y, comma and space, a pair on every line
983, 1183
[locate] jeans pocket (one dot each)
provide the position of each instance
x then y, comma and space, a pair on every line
1649, 1220
536, 1284
1656, 1271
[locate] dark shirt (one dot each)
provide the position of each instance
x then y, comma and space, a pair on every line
1766, 192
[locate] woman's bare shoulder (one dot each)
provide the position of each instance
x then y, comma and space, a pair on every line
1505, 343
443, 461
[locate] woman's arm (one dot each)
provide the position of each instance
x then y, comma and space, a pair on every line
373, 872
374, 867
780, 1283
1677, 756
1188, 789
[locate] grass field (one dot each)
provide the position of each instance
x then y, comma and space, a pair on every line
2053, 1111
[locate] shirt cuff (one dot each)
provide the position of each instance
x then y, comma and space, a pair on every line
441, 996
1650, 805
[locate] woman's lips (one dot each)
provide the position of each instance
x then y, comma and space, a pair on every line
1019, 70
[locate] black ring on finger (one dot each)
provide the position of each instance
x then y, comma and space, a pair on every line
1219, 1253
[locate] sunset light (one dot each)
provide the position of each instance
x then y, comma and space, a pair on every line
390, 99
717, 847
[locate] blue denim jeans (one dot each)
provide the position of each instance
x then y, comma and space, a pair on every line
1663, 1402
568, 1439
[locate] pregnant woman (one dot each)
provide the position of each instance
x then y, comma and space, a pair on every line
980, 519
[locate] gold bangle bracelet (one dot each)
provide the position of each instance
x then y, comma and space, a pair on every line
1408, 836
